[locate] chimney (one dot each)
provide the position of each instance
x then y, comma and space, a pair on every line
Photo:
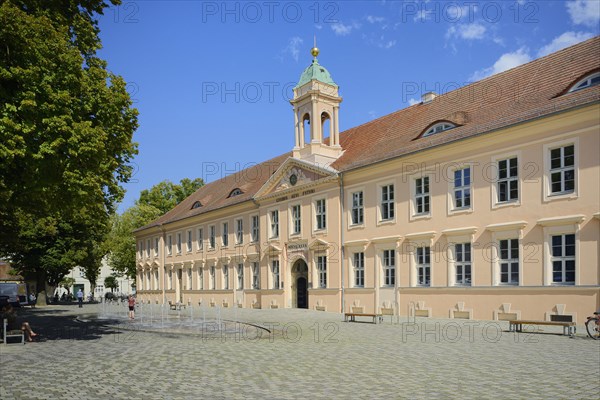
428, 97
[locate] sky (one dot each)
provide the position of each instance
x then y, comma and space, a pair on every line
212, 80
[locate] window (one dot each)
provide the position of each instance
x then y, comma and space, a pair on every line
212, 236
588, 81
562, 170
508, 180
462, 188
139, 249
156, 242
170, 280
509, 261
423, 266
357, 208
235, 192
320, 214
437, 128
389, 267
189, 241
387, 202
462, 257
179, 243
275, 272
322, 271
200, 239
255, 226
189, 279
274, 215
169, 245
255, 276
359, 269
225, 234
196, 204
225, 277
239, 231
240, 276
422, 195
296, 219
213, 284
148, 248
563, 259
201, 279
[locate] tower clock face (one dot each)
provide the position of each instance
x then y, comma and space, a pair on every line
293, 179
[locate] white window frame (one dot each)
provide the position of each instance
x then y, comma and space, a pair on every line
255, 275
510, 260
388, 267
213, 277
156, 246
585, 80
295, 219
460, 261
564, 258
493, 175
200, 239
178, 244
189, 241
425, 196
391, 203
225, 271
548, 195
422, 256
190, 281
359, 209
148, 246
212, 237
274, 230
170, 245
320, 212
322, 270
275, 272
358, 264
200, 278
560, 226
225, 233
240, 276
239, 231
254, 228
462, 188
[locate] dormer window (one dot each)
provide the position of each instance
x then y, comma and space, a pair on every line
586, 82
437, 128
197, 204
235, 192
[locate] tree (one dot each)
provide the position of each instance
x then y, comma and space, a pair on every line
110, 282
152, 203
67, 282
66, 127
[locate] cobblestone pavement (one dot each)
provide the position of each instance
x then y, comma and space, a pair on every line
308, 354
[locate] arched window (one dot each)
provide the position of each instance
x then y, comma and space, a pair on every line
196, 204
306, 128
325, 125
586, 82
235, 192
439, 127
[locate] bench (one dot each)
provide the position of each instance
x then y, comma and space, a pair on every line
176, 306
12, 333
569, 328
352, 317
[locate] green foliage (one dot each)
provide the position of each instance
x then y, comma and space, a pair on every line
66, 127
67, 282
152, 203
110, 282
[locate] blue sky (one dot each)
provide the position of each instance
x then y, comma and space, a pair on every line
212, 80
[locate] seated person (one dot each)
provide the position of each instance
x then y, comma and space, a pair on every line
9, 313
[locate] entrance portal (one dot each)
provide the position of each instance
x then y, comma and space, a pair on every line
300, 284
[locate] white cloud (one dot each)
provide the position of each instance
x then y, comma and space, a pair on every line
422, 15
413, 101
293, 47
372, 19
565, 40
584, 12
341, 29
467, 31
505, 62
455, 12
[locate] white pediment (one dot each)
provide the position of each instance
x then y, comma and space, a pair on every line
294, 174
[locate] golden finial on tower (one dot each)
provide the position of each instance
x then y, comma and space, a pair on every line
315, 50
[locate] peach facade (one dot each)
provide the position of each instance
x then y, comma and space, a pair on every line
362, 239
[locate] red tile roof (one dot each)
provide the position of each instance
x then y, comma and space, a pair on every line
526, 92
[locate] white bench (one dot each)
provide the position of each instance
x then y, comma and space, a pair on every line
12, 333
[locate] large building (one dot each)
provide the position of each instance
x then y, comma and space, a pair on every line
479, 203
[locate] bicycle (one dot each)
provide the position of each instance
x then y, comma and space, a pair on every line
592, 325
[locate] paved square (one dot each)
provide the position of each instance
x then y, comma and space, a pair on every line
309, 354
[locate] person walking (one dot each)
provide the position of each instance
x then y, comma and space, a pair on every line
32, 300
80, 298
131, 304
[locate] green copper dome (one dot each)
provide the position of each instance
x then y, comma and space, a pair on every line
317, 72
